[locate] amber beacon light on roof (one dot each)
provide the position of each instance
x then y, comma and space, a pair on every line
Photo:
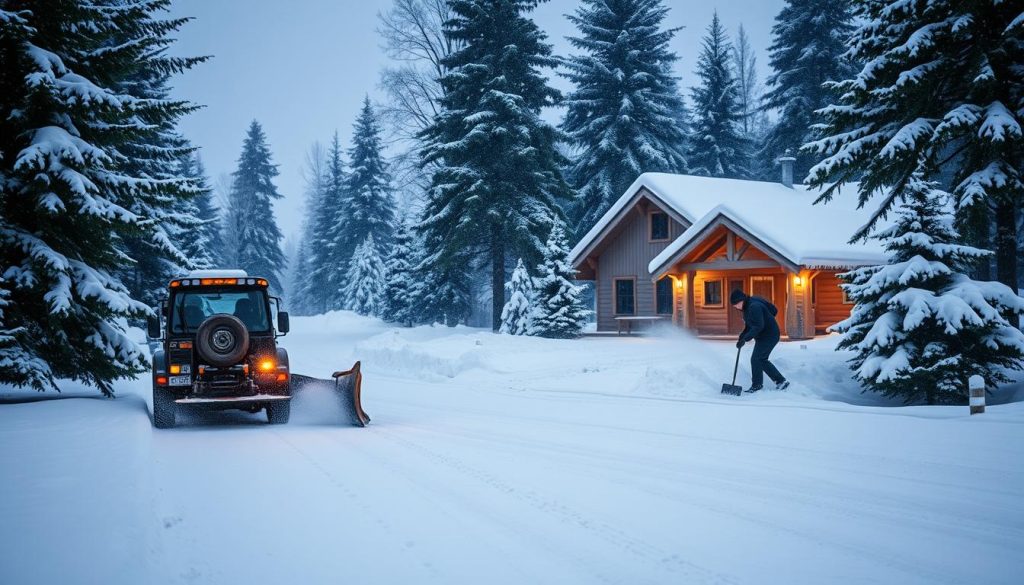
179, 282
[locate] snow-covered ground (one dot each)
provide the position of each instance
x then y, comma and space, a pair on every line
494, 459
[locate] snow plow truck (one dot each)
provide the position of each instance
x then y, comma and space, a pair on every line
216, 348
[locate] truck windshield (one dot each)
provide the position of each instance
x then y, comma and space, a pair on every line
192, 307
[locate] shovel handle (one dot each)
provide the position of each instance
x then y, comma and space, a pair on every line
736, 368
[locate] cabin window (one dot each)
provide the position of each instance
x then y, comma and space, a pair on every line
713, 293
659, 226
763, 286
663, 296
625, 296
846, 297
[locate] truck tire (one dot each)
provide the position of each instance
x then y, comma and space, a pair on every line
279, 411
164, 408
222, 340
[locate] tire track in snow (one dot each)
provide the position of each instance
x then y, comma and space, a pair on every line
643, 550
883, 508
484, 509
352, 496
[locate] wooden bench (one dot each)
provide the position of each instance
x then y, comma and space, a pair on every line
628, 322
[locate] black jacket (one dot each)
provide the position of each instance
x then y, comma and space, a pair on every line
759, 317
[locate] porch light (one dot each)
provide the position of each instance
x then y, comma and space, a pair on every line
797, 280
679, 283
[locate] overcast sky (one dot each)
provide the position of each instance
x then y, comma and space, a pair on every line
301, 69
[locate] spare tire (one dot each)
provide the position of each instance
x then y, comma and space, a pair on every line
222, 340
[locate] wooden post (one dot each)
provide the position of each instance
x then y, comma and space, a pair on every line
977, 386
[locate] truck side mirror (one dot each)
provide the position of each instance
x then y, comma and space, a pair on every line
282, 322
153, 327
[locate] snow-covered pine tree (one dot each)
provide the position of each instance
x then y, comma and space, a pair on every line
368, 208
517, 316
400, 278
251, 215
161, 253
558, 309
498, 179
625, 115
364, 283
941, 92
718, 147
329, 252
921, 327
809, 42
441, 292
76, 110
201, 243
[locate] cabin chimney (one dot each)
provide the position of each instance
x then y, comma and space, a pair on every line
787, 160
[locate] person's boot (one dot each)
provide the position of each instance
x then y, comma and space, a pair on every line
782, 385
753, 389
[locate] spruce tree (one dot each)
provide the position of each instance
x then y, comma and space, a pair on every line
625, 115
364, 283
517, 316
921, 327
368, 208
329, 253
257, 239
400, 278
809, 42
80, 110
442, 290
941, 93
718, 147
498, 178
200, 242
558, 309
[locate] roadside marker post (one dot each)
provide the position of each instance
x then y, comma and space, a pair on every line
977, 387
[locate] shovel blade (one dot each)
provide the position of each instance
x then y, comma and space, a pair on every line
732, 389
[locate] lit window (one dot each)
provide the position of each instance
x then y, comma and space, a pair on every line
712, 293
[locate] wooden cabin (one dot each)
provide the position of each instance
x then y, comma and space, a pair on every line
673, 247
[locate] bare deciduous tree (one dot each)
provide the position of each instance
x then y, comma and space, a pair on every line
413, 34
746, 75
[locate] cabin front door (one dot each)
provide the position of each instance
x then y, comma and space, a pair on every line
735, 317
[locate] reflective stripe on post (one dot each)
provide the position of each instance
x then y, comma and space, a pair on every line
977, 386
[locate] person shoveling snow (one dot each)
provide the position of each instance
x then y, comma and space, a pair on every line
761, 328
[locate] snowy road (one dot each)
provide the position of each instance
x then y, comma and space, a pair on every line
515, 470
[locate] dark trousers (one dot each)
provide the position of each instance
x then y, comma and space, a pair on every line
759, 364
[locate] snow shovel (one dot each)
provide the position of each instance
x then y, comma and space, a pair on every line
349, 384
733, 389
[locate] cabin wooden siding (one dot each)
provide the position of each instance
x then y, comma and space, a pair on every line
714, 320
627, 254
829, 307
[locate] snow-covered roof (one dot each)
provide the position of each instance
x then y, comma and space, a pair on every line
222, 273
784, 218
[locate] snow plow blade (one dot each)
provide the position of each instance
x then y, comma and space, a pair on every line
346, 387
349, 385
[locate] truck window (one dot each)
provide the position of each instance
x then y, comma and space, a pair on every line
191, 307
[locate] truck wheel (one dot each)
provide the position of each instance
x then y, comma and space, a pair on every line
222, 340
278, 412
164, 408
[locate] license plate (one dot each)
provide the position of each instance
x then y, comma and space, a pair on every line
180, 381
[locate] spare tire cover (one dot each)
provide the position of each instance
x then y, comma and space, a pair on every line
222, 340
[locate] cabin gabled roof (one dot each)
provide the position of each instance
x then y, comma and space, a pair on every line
785, 219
